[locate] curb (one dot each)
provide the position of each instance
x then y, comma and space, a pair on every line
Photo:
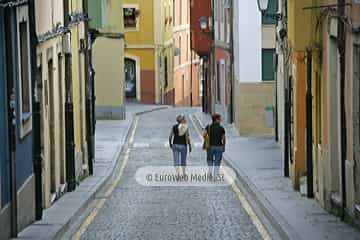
151, 110
108, 178
277, 221
63, 228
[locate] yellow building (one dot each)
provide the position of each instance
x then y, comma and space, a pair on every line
143, 43
52, 85
304, 63
108, 58
51, 95
78, 48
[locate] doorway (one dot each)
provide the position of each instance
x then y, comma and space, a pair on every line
52, 127
356, 113
61, 105
334, 116
130, 78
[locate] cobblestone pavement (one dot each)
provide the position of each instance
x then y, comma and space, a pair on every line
134, 211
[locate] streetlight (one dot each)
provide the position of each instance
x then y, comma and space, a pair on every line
263, 5
203, 23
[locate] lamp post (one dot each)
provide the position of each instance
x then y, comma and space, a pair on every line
203, 21
263, 5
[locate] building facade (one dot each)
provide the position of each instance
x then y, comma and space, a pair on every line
167, 54
142, 27
254, 51
17, 180
50, 87
107, 26
318, 64
186, 62
202, 44
221, 60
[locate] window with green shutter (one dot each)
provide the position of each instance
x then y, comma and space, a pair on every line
268, 64
272, 9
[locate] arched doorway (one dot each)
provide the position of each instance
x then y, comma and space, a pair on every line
130, 78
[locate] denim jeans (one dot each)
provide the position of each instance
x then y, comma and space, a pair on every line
214, 157
180, 152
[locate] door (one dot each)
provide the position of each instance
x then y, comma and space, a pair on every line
52, 127
356, 120
61, 104
334, 116
130, 78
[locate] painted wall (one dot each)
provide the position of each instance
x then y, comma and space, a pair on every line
108, 61
24, 148
145, 35
4, 157
52, 97
79, 92
140, 47
186, 90
252, 98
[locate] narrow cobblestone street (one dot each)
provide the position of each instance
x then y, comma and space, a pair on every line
133, 211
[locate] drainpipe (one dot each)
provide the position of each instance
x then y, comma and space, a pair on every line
191, 72
89, 116
232, 61
37, 159
69, 107
288, 87
276, 100
341, 46
11, 120
287, 133
213, 59
309, 129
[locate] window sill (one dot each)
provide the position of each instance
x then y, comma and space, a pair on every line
131, 29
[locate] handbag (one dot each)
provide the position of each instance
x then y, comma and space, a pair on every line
206, 143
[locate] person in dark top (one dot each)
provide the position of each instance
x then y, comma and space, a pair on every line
179, 140
216, 134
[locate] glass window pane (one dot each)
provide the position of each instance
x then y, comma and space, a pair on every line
268, 64
272, 10
24, 55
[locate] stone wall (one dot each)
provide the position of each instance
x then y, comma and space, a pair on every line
250, 102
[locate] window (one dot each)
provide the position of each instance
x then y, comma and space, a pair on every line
25, 104
180, 50
180, 12
24, 58
272, 9
218, 90
183, 88
268, 64
130, 14
188, 11
166, 80
187, 47
174, 16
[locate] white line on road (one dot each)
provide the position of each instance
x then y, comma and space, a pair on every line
141, 145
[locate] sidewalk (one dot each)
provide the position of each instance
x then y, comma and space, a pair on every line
109, 141
257, 161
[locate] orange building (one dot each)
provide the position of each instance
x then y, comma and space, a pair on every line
186, 62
